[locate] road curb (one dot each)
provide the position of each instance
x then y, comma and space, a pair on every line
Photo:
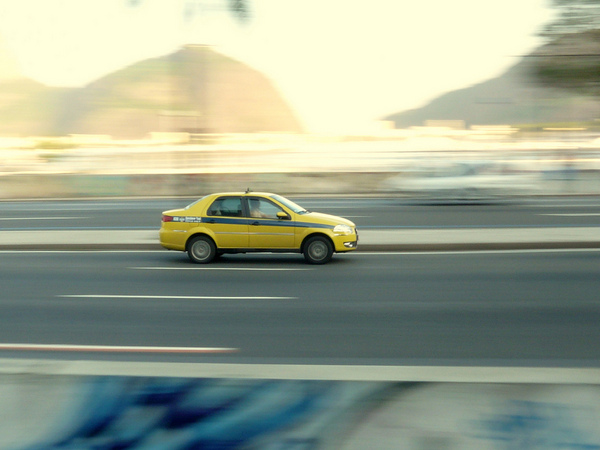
364, 248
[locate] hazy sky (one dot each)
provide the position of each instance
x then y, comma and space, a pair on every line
339, 63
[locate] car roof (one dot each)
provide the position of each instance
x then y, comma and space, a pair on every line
260, 194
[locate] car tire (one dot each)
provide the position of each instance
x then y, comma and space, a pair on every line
318, 250
202, 250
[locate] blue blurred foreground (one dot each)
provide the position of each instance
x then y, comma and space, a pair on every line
116, 412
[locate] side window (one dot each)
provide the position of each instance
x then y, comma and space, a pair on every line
226, 206
262, 208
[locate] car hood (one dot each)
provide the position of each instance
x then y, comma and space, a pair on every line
315, 217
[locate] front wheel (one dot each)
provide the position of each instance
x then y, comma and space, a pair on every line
202, 250
318, 250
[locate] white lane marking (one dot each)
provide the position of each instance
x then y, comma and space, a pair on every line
243, 269
482, 252
571, 214
113, 349
42, 218
173, 297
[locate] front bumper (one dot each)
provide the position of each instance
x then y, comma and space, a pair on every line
346, 243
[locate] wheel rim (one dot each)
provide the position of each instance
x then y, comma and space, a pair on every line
317, 250
201, 250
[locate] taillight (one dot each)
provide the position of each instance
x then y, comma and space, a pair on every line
166, 218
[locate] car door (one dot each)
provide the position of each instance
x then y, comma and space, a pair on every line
226, 219
265, 228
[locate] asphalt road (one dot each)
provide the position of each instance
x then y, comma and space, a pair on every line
365, 212
513, 308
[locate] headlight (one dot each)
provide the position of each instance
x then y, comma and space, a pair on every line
342, 230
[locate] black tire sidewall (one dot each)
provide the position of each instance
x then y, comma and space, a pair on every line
212, 250
318, 239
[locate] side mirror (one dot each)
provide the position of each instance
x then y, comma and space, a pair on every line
283, 216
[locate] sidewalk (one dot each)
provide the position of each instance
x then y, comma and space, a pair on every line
370, 239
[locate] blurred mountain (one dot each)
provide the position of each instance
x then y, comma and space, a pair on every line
28, 108
514, 98
24, 104
195, 90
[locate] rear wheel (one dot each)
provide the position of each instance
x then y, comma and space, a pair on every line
202, 250
318, 250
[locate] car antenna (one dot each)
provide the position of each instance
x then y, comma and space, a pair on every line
248, 190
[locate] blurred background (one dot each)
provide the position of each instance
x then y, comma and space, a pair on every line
461, 101
426, 99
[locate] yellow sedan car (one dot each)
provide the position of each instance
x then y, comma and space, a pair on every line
241, 222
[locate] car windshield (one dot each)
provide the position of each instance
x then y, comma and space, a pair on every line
290, 204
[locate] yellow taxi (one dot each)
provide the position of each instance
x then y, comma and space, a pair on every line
241, 222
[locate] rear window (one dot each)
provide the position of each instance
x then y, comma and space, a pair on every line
226, 206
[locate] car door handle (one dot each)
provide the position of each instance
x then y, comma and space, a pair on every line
211, 221
255, 223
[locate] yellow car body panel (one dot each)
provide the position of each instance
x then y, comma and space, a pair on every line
229, 220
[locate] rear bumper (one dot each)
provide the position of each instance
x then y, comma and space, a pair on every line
172, 240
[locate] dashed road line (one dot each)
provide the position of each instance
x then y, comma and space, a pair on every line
112, 349
171, 297
43, 218
571, 214
242, 269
